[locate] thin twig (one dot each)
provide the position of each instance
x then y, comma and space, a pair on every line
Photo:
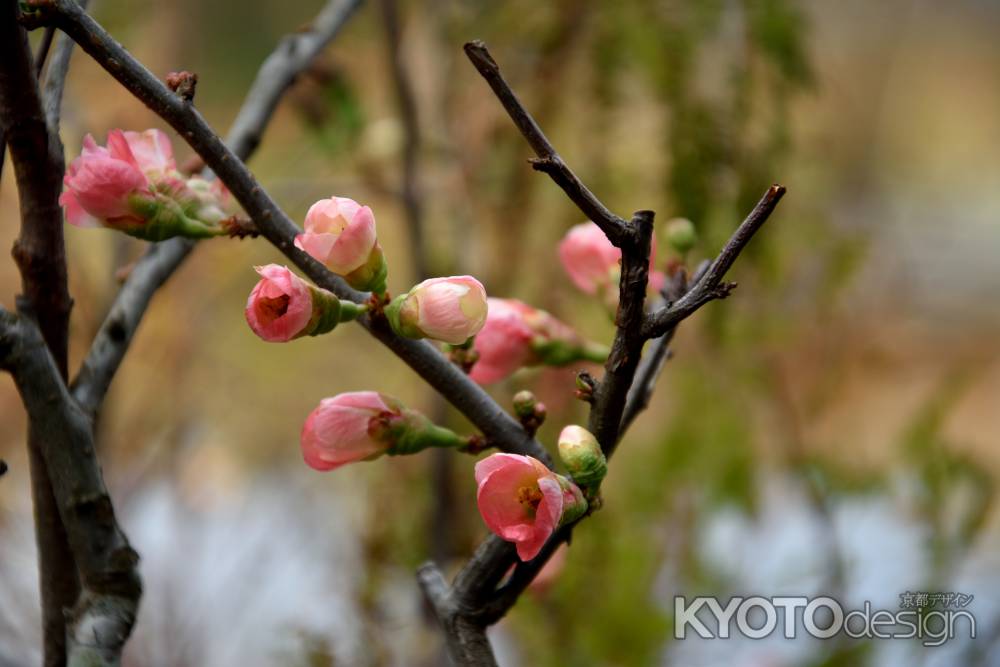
548, 160
710, 286
497, 426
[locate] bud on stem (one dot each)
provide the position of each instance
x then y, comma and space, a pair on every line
582, 454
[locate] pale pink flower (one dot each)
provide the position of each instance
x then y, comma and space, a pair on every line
446, 309
504, 343
520, 500
338, 430
280, 305
99, 183
594, 264
516, 335
340, 233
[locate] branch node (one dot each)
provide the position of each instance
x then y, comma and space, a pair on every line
183, 83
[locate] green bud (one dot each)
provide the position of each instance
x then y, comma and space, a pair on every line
681, 234
582, 455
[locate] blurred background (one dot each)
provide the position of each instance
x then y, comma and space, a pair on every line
832, 428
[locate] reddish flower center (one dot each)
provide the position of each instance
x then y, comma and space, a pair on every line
271, 309
529, 496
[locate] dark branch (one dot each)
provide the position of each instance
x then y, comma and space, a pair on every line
548, 160
626, 350
293, 54
467, 641
102, 618
498, 427
710, 286
40, 253
658, 353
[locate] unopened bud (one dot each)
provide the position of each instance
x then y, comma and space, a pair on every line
680, 234
580, 451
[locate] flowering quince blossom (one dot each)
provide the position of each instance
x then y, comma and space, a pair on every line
450, 310
524, 502
363, 425
282, 307
516, 335
337, 431
594, 264
340, 233
133, 185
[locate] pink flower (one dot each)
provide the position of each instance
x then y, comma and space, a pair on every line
516, 335
504, 343
451, 310
338, 430
99, 183
340, 233
594, 264
280, 306
520, 500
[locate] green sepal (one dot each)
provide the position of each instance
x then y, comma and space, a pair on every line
400, 314
164, 218
329, 311
325, 312
572, 510
370, 276
561, 353
410, 432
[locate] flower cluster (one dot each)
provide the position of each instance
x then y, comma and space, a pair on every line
133, 185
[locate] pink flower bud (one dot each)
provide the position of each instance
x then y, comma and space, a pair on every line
100, 182
520, 500
594, 264
450, 310
340, 233
338, 431
282, 307
364, 425
516, 335
504, 343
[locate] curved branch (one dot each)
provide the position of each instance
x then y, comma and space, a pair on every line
548, 160
710, 287
102, 618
